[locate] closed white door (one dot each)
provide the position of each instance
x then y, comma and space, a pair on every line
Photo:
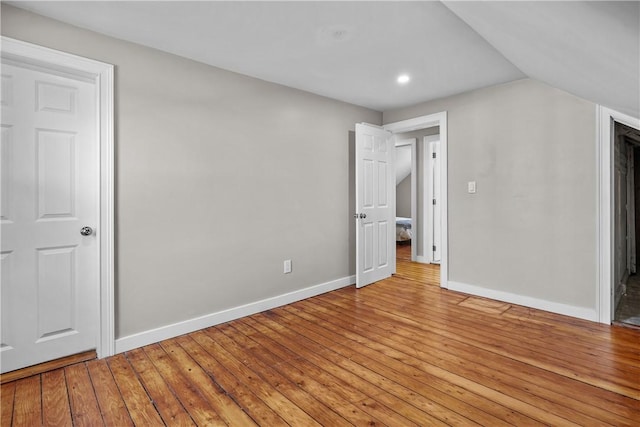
375, 204
436, 204
50, 188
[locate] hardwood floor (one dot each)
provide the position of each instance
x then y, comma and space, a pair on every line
399, 352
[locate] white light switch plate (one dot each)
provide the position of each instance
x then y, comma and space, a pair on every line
471, 187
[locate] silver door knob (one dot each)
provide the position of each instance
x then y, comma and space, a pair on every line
86, 231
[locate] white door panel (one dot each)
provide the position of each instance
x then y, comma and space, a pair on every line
50, 182
375, 204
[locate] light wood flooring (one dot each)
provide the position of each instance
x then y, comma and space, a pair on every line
401, 352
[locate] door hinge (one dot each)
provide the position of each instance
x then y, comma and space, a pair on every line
434, 248
433, 155
434, 201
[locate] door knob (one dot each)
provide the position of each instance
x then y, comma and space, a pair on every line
86, 231
356, 216
363, 216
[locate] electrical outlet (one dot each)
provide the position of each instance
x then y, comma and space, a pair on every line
287, 266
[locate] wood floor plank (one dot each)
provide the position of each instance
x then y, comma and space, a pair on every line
426, 389
27, 407
338, 385
47, 366
277, 401
114, 411
243, 395
56, 409
217, 397
7, 394
168, 406
84, 404
139, 405
319, 400
394, 397
196, 405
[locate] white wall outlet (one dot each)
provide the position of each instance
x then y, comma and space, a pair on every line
287, 266
471, 187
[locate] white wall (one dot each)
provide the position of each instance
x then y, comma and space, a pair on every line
220, 177
530, 230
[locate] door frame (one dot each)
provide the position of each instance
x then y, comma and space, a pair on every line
424, 122
102, 74
605, 139
428, 231
414, 189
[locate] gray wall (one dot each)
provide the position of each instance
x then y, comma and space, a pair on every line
403, 197
220, 177
531, 227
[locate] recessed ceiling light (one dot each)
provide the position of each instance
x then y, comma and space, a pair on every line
403, 79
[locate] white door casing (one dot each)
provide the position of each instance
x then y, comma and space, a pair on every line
57, 176
606, 119
375, 204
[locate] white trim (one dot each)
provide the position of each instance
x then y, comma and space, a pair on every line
428, 196
414, 198
169, 331
102, 75
423, 122
604, 141
416, 123
540, 304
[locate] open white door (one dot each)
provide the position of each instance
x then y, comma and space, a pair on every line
375, 204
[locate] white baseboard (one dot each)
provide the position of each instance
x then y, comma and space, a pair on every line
422, 259
169, 331
540, 304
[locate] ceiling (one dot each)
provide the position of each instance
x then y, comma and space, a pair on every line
354, 51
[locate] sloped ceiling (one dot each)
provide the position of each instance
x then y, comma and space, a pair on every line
591, 49
353, 51
403, 162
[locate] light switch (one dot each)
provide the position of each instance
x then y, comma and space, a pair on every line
471, 187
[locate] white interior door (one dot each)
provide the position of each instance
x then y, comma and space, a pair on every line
375, 204
436, 203
50, 189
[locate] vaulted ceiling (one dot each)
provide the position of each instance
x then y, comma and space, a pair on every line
354, 51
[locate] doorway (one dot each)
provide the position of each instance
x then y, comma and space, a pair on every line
612, 252
430, 184
406, 199
418, 199
626, 183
